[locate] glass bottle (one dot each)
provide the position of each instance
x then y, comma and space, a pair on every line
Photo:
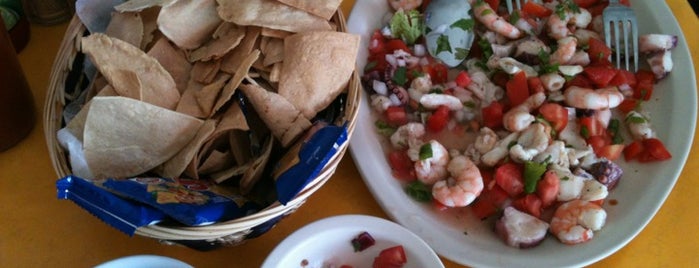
17, 115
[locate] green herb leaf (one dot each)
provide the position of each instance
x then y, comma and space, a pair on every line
425, 151
461, 53
443, 44
464, 24
532, 174
370, 66
546, 67
636, 119
419, 191
384, 128
584, 132
514, 17
399, 76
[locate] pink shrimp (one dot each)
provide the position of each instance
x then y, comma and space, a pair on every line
404, 4
520, 117
495, 23
558, 25
575, 221
587, 98
565, 51
463, 187
433, 168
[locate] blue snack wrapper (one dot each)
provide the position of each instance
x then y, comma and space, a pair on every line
306, 159
190, 202
124, 215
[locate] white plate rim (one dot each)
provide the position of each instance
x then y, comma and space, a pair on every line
345, 227
677, 132
150, 261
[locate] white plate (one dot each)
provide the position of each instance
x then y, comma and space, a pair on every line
327, 243
144, 261
640, 193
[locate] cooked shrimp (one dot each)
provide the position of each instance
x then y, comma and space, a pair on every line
463, 187
552, 81
574, 221
483, 88
558, 26
434, 100
407, 134
404, 4
638, 125
519, 117
486, 140
565, 51
500, 150
380, 103
587, 98
580, 57
491, 20
433, 168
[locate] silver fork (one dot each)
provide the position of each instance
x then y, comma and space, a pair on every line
618, 21
517, 4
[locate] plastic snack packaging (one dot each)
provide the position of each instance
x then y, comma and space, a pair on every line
122, 214
305, 159
190, 202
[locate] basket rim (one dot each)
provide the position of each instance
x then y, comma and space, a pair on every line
52, 119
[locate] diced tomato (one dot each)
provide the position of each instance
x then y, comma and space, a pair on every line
633, 150
597, 142
438, 119
555, 114
590, 126
391, 257
600, 75
628, 105
396, 44
654, 150
490, 201
530, 203
623, 77
438, 205
535, 9
462, 79
494, 4
396, 116
437, 71
611, 151
509, 177
402, 167
492, 115
579, 81
599, 51
535, 85
625, 2
517, 89
376, 43
644, 85
585, 3
547, 188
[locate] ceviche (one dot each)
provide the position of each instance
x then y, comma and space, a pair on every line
520, 117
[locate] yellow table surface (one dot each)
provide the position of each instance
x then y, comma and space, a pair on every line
37, 230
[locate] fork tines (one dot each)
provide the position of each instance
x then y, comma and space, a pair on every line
620, 23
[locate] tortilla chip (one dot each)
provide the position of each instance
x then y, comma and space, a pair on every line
276, 70
189, 23
283, 119
124, 137
173, 60
317, 68
205, 71
275, 33
188, 103
127, 27
253, 174
321, 8
150, 25
225, 39
216, 161
158, 86
176, 165
231, 61
238, 77
126, 83
207, 96
274, 51
271, 14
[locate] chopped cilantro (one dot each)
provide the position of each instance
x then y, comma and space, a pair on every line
584, 132
370, 66
443, 44
461, 53
407, 25
425, 151
636, 119
514, 17
532, 174
384, 128
399, 77
464, 24
419, 191
546, 66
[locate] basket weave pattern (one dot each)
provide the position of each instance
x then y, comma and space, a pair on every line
230, 232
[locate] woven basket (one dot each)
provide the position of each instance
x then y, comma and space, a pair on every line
227, 233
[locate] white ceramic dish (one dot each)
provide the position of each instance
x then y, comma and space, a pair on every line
144, 261
327, 242
641, 192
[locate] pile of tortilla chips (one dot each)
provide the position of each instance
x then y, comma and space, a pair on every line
206, 88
